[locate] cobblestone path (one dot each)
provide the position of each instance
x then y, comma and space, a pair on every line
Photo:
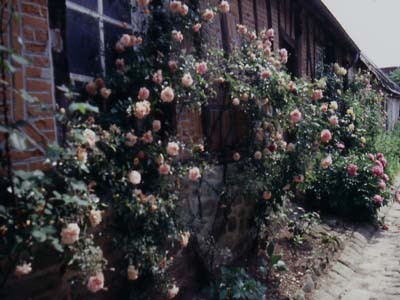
368, 269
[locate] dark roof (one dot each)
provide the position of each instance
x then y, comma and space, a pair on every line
325, 16
383, 78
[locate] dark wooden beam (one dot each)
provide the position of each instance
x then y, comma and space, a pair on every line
269, 13
255, 15
240, 11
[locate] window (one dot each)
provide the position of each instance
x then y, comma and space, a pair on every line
92, 29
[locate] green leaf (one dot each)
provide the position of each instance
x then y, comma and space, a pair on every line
9, 67
83, 107
18, 142
27, 97
270, 249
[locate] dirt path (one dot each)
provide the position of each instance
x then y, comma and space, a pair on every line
369, 270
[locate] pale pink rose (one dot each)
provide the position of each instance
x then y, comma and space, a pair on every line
252, 36
277, 65
371, 156
378, 199
258, 155
340, 146
95, 217
132, 272
352, 170
236, 156
201, 68
177, 36
143, 3
158, 77
185, 236
194, 174
326, 162
317, 95
90, 137
208, 15
235, 101
324, 108
173, 291
105, 93
183, 11
70, 234
173, 149
134, 177
291, 147
386, 177
384, 162
164, 169
326, 136
167, 95
270, 33
119, 48
196, 27
23, 269
187, 80
144, 93
224, 6
175, 6
147, 137
266, 74
242, 29
334, 121
130, 139
292, 86
377, 171
283, 52
125, 40
267, 195
172, 65
142, 109
379, 156
295, 116
382, 185
298, 178
96, 283
156, 125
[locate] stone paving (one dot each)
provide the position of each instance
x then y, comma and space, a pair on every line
368, 268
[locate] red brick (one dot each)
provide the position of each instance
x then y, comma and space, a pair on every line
31, 9
45, 124
25, 154
34, 22
41, 36
36, 47
28, 34
38, 85
40, 61
33, 72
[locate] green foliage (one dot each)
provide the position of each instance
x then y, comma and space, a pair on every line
388, 143
236, 283
395, 75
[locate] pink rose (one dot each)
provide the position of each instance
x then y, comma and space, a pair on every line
105, 93
96, 283
173, 291
23, 269
164, 169
158, 77
326, 136
132, 272
386, 177
266, 74
147, 137
183, 11
95, 217
130, 139
236, 156
224, 6
352, 170
208, 15
134, 177
379, 156
167, 95
295, 116
378, 199
120, 64
90, 137
175, 6
340, 146
172, 65
196, 27
173, 149
324, 108
383, 161
298, 178
201, 68
292, 86
371, 156
267, 195
334, 121
377, 170
382, 185
194, 174
142, 109
143, 94
235, 101
187, 80
156, 125
242, 29
177, 36
326, 162
70, 234
125, 40
270, 33
184, 239
257, 155
317, 95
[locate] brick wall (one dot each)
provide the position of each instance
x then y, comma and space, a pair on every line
35, 78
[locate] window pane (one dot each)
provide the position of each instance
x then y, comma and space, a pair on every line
112, 34
83, 45
92, 4
118, 9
